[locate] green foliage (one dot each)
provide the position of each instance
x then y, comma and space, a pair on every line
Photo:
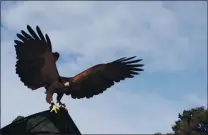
188, 121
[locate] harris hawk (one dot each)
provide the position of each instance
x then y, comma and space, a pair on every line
36, 68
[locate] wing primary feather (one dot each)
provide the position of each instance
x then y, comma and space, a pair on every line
48, 40
128, 58
130, 76
135, 69
134, 73
140, 69
18, 42
26, 35
32, 32
119, 59
135, 65
21, 37
133, 61
40, 33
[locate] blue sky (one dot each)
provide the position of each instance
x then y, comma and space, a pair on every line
170, 37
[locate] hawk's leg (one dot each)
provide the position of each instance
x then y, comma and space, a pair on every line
61, 105
49, 99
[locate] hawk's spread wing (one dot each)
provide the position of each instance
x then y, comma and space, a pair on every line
97, 79
36, 63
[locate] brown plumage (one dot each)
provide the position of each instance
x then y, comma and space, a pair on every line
36, 67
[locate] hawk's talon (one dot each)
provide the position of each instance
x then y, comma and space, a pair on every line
54, 108
61, 105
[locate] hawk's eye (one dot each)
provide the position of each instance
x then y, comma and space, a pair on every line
66, 84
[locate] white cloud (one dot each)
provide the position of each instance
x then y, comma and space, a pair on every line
100, 32
131, 26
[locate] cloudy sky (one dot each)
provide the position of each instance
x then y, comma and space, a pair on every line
170, 37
